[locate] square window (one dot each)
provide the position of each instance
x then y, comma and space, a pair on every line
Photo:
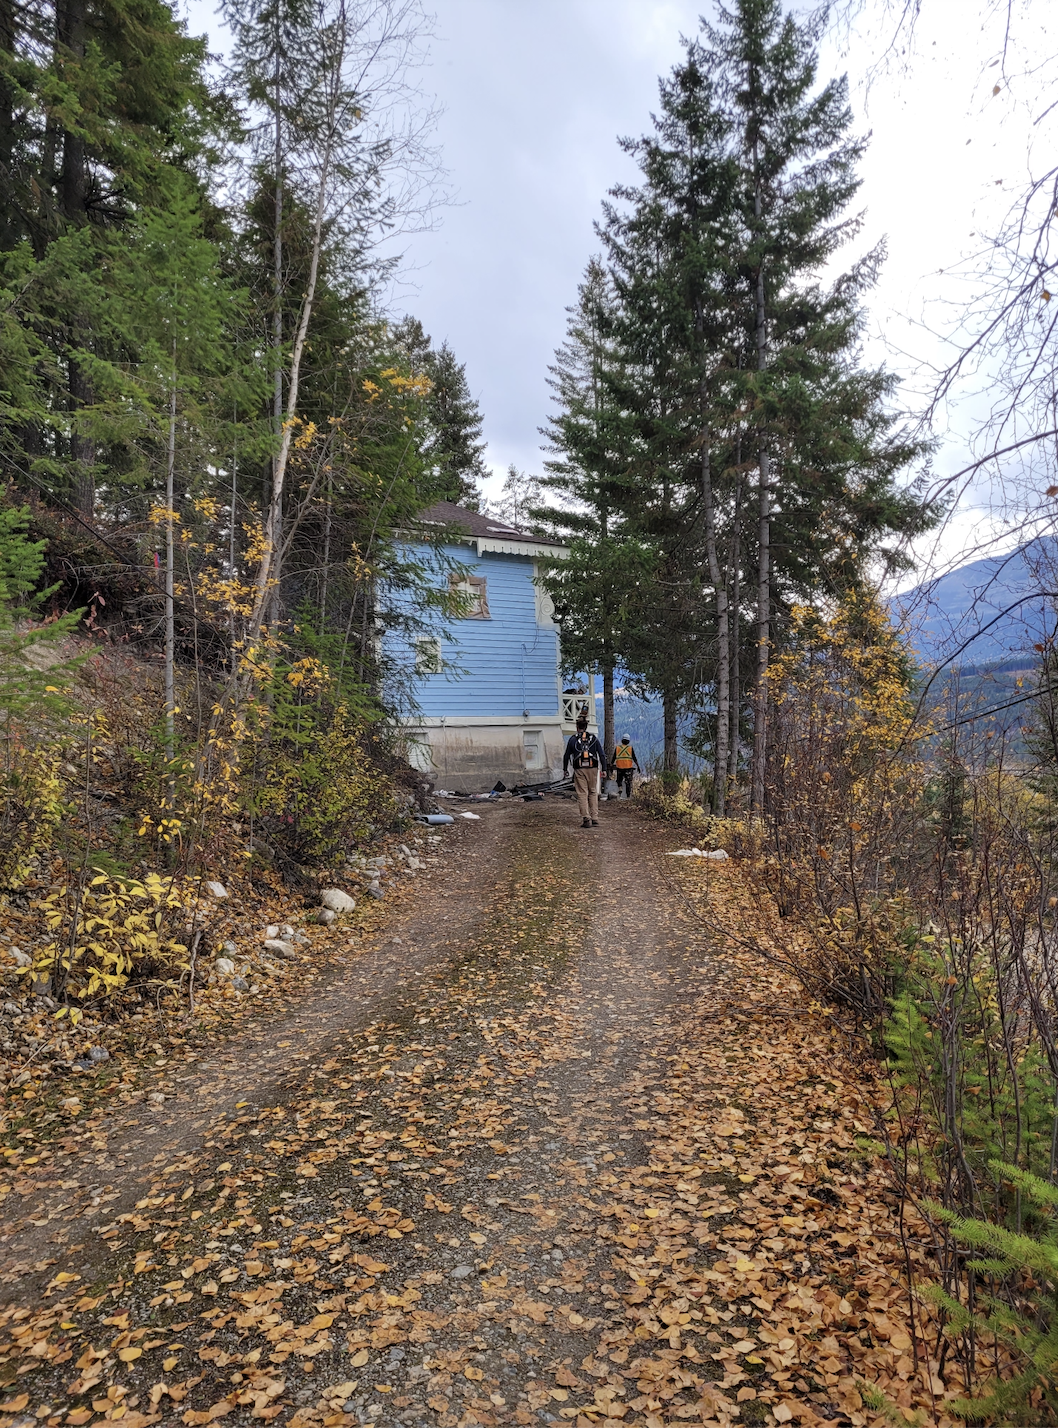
428, 655
472, 596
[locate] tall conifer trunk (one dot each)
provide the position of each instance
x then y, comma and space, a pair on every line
735, 584
170, 573
277, 287
670, 757
82, 446
73, 194
70, 38
718, 581
7, 122
608, 738
760, 693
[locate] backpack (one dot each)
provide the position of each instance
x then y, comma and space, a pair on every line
585, 756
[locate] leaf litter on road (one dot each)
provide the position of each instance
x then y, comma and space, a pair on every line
580, 1173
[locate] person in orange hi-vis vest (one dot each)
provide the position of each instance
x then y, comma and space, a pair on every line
624, 761
584, 752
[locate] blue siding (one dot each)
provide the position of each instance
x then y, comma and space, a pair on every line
505, 664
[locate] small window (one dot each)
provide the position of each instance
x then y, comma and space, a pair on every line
428, 655
473, 599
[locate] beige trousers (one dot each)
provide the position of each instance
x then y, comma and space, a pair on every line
586, 783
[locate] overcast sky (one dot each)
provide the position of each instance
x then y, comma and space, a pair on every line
535, 94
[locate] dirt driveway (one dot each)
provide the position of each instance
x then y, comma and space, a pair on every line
549, 1149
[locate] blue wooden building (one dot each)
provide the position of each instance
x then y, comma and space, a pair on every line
488, 686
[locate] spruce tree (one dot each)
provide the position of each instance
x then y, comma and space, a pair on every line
732, 360
453, 449
103, 105
671, 246
595, 587
825, 454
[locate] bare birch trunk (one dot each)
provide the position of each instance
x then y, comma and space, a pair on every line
269, 572
325, 578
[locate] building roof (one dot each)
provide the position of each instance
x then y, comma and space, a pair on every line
489, 532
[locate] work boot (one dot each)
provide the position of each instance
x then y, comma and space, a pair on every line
595, 823
585, 823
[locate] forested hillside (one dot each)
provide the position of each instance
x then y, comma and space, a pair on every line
210, 434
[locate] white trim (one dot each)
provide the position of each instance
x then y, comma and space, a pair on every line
517, 547
545, 609
485, 721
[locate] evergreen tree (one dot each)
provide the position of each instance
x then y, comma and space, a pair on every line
520, 497
730, 360
453, 450
656, 389
825, 452
670, 246
596, 589
102, 104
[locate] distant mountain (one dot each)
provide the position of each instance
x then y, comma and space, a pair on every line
988, 613
642, 721
983, 618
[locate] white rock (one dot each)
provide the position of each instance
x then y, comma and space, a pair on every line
217, 889
476, 816
272, 930
336, 900
325, 916
284, 949
286, 931
225, 967
20, 958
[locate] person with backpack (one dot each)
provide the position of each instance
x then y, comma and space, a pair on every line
584, 752
624, 761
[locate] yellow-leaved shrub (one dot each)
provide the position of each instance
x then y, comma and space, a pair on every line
108, 932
